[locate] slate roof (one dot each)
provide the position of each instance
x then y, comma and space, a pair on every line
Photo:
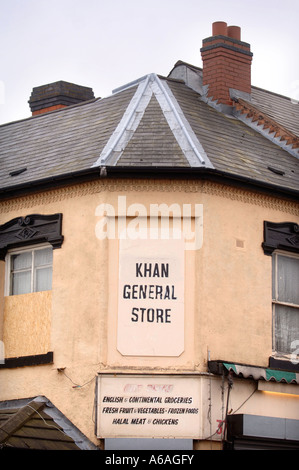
139, 150
154, 122
36, 424
235, 148
56, 143
284, 110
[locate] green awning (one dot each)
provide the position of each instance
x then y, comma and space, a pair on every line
259, 373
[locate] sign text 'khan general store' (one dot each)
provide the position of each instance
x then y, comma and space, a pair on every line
151, 297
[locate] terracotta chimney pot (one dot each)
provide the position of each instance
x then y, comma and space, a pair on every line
219, 28
234, 32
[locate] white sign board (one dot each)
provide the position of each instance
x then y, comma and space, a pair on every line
149, 407
151, 298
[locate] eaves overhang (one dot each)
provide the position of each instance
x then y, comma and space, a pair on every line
147, 172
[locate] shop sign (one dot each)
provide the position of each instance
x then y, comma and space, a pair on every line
151, 298
148, 407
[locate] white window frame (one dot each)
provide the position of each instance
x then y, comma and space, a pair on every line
15, 251
278, 302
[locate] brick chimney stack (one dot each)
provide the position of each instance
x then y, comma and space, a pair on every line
57, 95
226, 63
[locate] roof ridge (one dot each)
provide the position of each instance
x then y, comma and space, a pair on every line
182, 62
200, 69
72, 106
293, 100
246, 112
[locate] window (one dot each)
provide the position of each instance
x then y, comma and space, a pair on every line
29, 270
285, 289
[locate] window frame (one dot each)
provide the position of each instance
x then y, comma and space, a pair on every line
8, 263
275, 301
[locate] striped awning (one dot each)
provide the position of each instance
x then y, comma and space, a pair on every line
259, 373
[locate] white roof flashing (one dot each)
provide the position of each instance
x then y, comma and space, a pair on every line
148, 86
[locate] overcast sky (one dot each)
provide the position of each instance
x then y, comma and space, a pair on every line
104, 44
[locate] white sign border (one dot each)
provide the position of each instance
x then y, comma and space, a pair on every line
190, 387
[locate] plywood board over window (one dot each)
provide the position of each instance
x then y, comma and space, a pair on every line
27, 323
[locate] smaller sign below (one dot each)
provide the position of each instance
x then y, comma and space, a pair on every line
148, 407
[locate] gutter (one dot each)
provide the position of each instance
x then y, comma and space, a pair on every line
152, 172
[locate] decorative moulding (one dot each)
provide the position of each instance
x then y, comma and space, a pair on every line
32, 229
142, 185
282, 236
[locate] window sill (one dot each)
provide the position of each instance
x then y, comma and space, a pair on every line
283, 364
24, 361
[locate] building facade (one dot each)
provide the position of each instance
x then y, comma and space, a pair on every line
150, 263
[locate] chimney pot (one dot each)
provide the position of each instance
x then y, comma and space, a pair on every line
219, 28
234, 32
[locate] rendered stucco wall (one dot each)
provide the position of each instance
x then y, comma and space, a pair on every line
227, 291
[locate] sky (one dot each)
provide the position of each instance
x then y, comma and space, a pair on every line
104, 44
